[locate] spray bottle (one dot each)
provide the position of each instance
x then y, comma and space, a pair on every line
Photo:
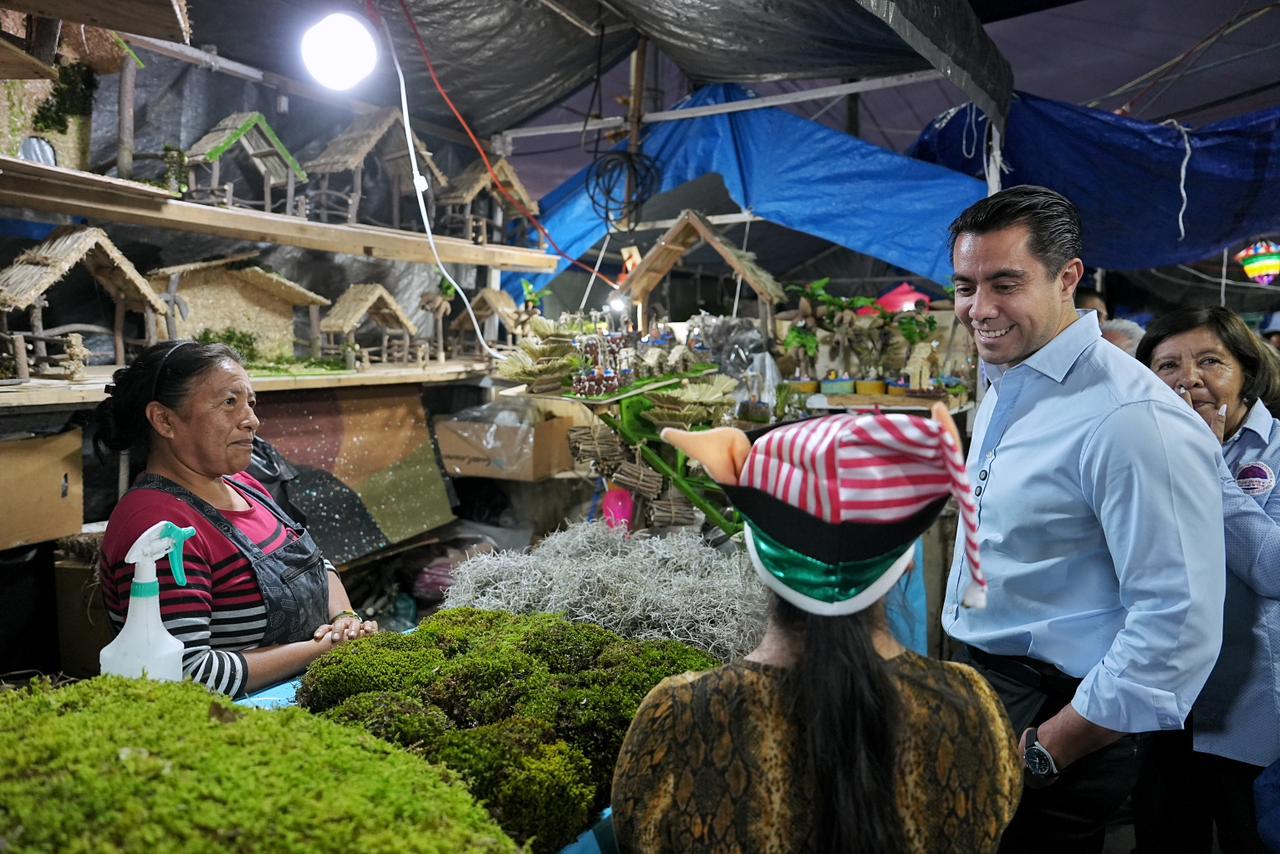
144, 646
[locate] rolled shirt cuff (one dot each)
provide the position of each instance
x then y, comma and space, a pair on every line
1119, 704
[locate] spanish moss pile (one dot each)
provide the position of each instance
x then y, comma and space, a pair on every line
673, 587
116, 764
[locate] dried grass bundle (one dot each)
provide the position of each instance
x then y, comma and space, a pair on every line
644, 588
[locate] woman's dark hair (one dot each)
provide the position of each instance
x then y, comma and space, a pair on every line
846, 709
163, 372
1261, 370
1052, 221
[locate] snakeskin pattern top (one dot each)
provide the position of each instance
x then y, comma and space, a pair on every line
709, 764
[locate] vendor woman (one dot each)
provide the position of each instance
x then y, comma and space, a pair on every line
261, 602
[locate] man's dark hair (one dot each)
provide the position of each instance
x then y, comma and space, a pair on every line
1083, 294
1054, 223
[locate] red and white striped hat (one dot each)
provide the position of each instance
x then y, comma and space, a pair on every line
873, 483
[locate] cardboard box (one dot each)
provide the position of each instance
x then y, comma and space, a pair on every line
83, 629
477, 449
41, 489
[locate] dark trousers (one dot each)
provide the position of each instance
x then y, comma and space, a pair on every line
1182, 795
1071, 814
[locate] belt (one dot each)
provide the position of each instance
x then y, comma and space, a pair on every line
1029, 672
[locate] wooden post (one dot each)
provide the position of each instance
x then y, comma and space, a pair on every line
385, 338
349, 351
766, 318
357, 179
20, 367
171, 316
636, 111
397, 186
404, 354
215, 172
118, 332
266, 192
124, 145
37, 328
149, 319
289, 187
313, 316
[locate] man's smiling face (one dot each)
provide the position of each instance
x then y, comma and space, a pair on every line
1006, 298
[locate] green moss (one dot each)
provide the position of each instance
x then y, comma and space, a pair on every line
383, 662
244, 343
393, 716
72, 95
114, 765
539, 705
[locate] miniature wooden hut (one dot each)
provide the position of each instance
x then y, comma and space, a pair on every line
490, 304
249, 134
689, 230
377, 304
215, 295
374, 139
474, 209
23, 285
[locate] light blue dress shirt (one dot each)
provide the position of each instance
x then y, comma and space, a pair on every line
1098, 497
1238, 713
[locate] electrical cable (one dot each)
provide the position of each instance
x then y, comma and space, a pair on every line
608, 178
603, 248
420, 185
497, 184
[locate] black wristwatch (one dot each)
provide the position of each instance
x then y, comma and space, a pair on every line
1038, 761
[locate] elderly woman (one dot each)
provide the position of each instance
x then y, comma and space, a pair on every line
261, 602
829, 736
1211, 359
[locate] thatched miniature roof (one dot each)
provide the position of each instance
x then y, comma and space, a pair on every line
485, 304
361, 301
476, 178
354, 144
278, 286
255, 136
41, 267
183, 269
687, 231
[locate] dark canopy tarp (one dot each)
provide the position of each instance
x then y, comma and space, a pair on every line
1125, 176
792, 172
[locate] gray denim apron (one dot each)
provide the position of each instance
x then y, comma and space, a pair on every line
293, 581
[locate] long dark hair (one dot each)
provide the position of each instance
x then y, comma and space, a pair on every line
163, 372
847, 711
1261, 369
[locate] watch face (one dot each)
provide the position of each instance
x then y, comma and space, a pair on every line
1037, 761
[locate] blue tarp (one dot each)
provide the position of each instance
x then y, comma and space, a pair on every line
1124, 175
792, 172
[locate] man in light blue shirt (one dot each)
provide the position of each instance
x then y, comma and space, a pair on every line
1100, 526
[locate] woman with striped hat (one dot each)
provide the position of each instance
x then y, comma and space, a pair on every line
830, 736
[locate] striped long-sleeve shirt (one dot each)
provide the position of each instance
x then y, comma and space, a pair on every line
220, 612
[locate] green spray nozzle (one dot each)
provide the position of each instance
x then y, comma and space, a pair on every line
177, 536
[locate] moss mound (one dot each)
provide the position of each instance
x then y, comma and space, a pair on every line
536, 707
116, 764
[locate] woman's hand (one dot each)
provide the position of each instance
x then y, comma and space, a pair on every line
1217, 423
345, 628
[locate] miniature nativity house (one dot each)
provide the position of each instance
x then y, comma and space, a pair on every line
218, 295
374, 142
473, 208
491, 306
249, 136
377, 304
24, 283
689, 230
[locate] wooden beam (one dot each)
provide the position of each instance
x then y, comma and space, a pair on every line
17, 64
288, 85
163, 19
54, 190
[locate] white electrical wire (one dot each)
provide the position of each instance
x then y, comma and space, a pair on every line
1182, 176
604, 246
1222, 291
420, 185
746, 233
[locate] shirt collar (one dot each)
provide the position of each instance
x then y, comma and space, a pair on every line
1258, 420
1055, 359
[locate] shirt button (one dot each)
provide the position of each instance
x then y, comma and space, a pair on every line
982, 475
977, 490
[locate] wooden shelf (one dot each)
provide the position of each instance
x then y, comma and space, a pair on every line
164, 19
17, 64
66, 191
90, 390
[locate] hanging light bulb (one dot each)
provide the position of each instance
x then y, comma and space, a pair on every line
339, 51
